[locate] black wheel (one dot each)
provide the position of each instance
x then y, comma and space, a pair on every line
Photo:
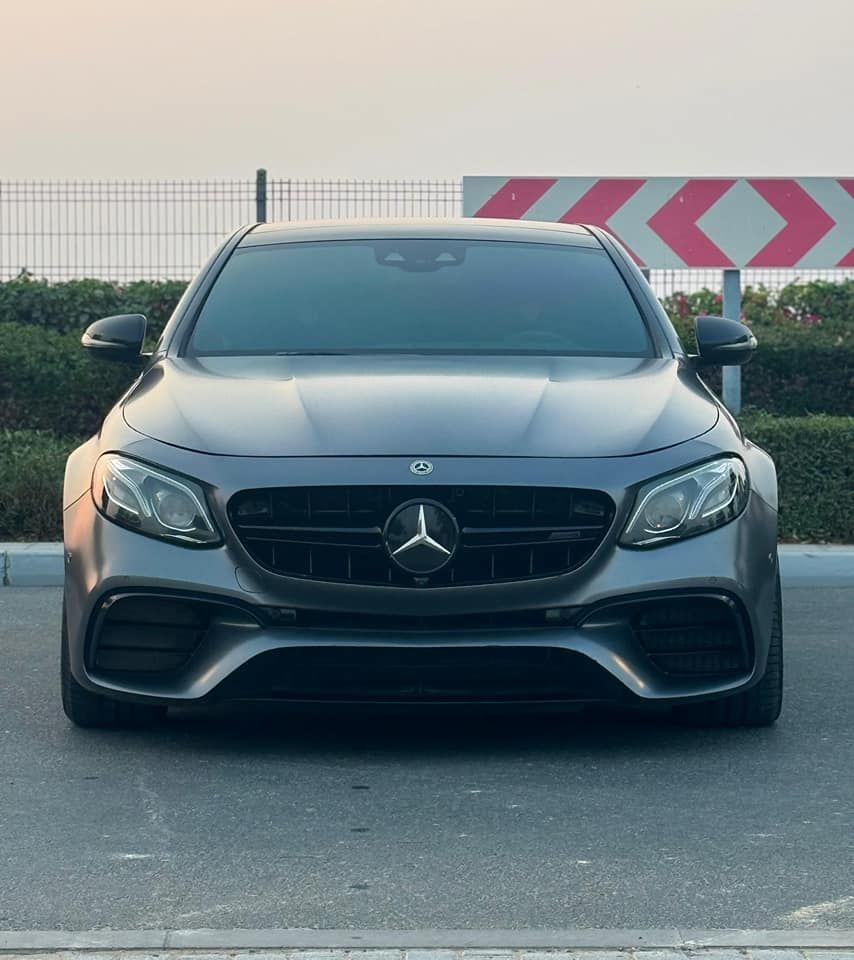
757, 707
86, 709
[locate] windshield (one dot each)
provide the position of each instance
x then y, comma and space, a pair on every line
420, 296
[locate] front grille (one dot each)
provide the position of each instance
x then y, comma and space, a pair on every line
336, 533
693, 636
434, 674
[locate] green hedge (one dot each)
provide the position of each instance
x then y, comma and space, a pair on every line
32, 465
815, 471
820, 312
792, 380
71, 307
47, 382
796, 380
49, 389
805, 363
814, 455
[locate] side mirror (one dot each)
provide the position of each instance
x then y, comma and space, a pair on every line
722, 342
116, 338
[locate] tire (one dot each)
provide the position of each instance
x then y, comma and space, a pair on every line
86, 709
759, 706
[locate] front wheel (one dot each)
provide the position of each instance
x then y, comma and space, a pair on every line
761, 704
86, 709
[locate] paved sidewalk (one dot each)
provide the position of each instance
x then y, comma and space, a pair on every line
669, 943
703, 953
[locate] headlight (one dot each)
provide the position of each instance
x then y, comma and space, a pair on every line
152, 501
687, 503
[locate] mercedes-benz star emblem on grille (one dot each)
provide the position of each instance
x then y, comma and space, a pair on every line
421, 536
421, 467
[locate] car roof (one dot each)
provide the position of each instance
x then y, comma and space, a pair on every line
468, 228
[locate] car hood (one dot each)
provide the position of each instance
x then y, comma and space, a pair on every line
420, 406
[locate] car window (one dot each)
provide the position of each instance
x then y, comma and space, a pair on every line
423, 296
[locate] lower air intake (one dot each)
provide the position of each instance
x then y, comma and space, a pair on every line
151, 634
410, 675
693, 636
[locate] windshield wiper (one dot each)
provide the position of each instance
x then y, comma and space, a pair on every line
312, 353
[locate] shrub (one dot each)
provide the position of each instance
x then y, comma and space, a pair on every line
820, 312
805, 363
71, 307
815, 470
32, 465
793, 380
47, 382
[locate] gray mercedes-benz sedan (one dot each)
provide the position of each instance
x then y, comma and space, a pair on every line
421, 462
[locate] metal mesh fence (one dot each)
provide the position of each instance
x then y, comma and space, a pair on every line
342, 199
667, 282
117, 229
124, 230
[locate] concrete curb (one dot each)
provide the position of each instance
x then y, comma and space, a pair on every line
41, 565
31, 564
505, 941
817, 566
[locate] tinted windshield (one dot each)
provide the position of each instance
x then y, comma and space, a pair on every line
420, 296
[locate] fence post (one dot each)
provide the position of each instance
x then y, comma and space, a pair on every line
261, 196
732, 308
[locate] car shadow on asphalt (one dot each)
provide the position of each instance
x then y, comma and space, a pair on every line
429, 733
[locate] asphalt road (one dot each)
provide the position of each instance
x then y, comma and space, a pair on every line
254, 818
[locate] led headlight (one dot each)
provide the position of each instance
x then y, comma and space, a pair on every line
687, 503
152, 501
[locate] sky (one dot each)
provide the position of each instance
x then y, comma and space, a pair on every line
425, 88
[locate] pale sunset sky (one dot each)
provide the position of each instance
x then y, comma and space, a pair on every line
425, 88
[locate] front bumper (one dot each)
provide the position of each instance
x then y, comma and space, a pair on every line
251, 653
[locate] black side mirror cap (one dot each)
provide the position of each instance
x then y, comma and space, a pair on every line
117, 338
722, 342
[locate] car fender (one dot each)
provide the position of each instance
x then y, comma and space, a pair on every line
763, 473
78, 472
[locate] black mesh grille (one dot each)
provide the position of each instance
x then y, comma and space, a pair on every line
434, 623
406, 674
693, 636
335, 533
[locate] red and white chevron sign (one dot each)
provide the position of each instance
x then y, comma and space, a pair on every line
699, 222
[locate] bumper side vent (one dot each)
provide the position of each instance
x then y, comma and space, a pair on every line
144, 633
693, 636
